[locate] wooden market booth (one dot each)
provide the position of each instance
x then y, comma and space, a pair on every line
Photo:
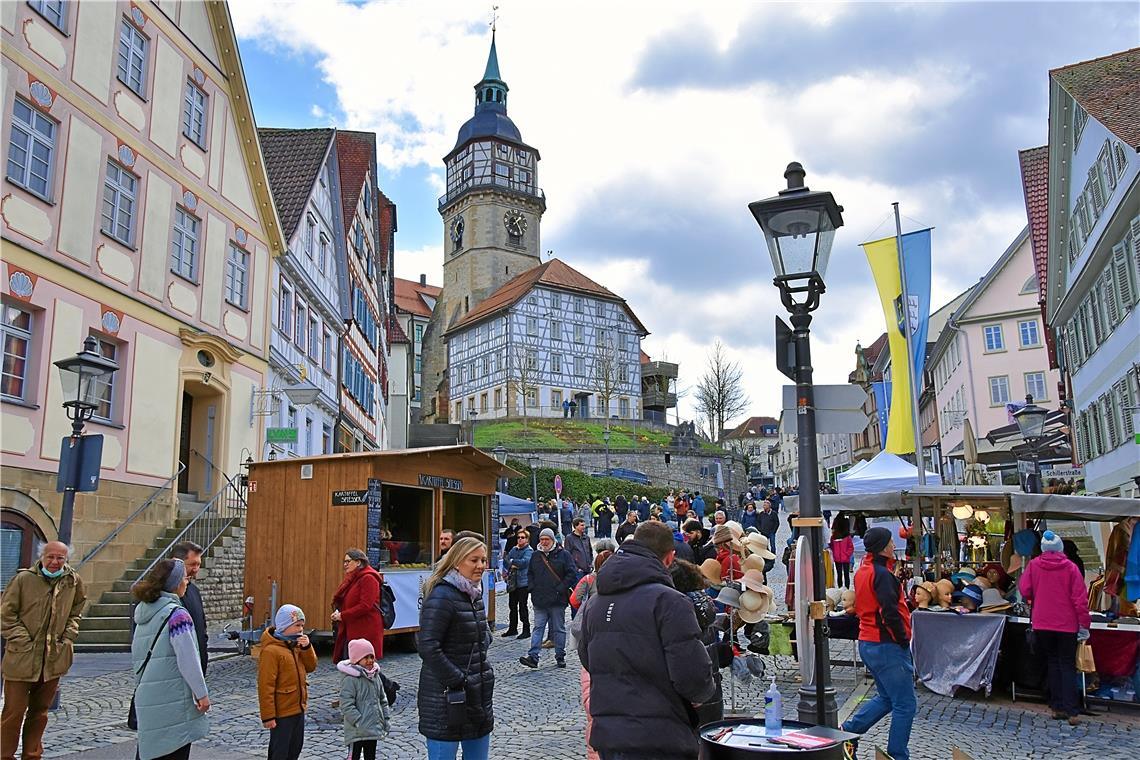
304, 513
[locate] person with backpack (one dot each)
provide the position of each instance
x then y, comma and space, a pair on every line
363, 701
357, 604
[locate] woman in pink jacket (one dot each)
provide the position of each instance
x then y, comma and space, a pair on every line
1060, 618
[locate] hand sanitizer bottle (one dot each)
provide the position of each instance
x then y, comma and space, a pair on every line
773, 710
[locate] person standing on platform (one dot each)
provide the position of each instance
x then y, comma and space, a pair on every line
884, 645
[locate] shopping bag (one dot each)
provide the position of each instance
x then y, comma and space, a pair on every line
1085, 661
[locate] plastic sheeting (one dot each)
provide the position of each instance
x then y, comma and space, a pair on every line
951, 650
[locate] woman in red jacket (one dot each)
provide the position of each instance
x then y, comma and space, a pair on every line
355, 606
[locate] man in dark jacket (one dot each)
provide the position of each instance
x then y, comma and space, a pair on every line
191, 555
641, 645
621, 506
694, 534
551, 577
580, 548
884, 644
768, 522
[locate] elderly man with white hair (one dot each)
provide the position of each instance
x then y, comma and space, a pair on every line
39, 621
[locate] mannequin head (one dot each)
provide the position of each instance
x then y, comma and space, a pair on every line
942, 591
847, 602
924, 595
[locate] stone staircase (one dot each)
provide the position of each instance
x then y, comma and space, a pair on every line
1078, 533
423, 436
106, 625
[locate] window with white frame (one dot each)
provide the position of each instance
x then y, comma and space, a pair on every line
623, 408
105, 385
314, 336
132, 57
54, 11
994, 340
300, 325
486, 365
498, 398
194, 104
326, 439
556, 399
556, 300
285, 310
600, 308
237, 277
579, 334
623, 373
532, 397
1035, 386
556, 364
484, 404
555, 329
310, 236
326, 350
579, 366
419, 332
532, 325
531, 360
1027, 330
999, 390
323, 252
184, 244
579, 305
14, 383
31, 147
120, 189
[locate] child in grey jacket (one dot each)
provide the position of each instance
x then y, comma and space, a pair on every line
362, 700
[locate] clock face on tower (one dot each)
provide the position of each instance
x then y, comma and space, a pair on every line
457, 230
515, 222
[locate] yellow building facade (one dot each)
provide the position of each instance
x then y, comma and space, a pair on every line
135, 209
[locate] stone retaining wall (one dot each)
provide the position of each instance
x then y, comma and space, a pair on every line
221, 579
683, 470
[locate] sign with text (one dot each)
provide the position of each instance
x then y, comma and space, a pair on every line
1066, 473
376, 555
80, 458
281, 435
437, 481
349, 498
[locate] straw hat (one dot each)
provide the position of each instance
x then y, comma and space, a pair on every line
754, 605
753, 580
710, 569
723, 535
834, 597
728, 596
736, 528
983, 582
753, 562
992, 601
757, 543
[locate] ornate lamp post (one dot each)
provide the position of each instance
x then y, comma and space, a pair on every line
533, 462
80, 376
606, 438
799, 227
1030, 421
472, 414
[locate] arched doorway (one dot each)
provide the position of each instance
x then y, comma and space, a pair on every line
20, 543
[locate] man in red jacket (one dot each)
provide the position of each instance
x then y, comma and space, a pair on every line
884, 645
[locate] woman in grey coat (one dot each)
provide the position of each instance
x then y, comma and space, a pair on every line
362, 700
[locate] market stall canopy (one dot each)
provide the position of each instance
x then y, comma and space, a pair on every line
1057, 507
513, 505
903, 501
886, 472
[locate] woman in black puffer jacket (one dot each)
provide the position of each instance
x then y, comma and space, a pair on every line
456, 681
687, 579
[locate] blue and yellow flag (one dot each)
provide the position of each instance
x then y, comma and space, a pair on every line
883, 256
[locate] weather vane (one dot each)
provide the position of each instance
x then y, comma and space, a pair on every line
494, 16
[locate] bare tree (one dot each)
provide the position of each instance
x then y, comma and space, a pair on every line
720, 395
608, 373
523, 375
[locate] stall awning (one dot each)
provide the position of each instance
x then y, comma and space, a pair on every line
513, 505
1057, 507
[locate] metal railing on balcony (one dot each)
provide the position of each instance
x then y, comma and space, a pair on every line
223, 511
504, 183
131, 517
659, 369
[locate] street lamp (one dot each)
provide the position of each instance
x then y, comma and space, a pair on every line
80, 376
606, 438
472, 414
799, 227
1030, 421
533, 462
500, 454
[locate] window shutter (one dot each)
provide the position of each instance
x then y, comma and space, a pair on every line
1079, 436
1125, 287
1121, 158
1095, 192
1108, 175
1096, 430
1108, 295
1126, 404
1108, 404
1134, 254
1099, 332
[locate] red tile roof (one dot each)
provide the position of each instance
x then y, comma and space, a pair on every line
645, 358
409, 297
293, 159
396, 333
1108, 88
356, 155
554, 273
751, 427
1035, 184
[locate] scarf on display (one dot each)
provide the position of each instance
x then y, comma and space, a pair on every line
473, 590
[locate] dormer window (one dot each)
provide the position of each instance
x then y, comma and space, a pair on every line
522, 156
505, 151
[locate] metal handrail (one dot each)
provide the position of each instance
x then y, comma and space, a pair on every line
149, 500
227, 507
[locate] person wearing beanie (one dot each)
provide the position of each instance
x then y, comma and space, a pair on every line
362, 700
1059, 617
552, 576
282, 689
884, 645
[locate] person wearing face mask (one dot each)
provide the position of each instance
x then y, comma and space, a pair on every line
39, 621
282, 689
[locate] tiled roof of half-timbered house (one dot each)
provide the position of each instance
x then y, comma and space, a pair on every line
293, 159
1108, 88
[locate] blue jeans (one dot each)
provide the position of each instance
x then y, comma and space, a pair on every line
893, 671
556, 616
473, 749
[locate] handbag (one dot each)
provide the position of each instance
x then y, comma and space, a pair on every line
1085, 661
132, 716
386, 605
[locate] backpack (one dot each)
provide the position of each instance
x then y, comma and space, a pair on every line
387, 605
390, 689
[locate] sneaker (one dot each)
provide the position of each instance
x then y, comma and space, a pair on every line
508, 634
548, 644
523, 635
562, 664
529, 661
1074, 720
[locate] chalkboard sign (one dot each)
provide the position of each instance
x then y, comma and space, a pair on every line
374, 511
349, 498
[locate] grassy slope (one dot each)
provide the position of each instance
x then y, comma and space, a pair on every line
567, 434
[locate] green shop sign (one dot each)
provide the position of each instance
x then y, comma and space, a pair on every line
281, 435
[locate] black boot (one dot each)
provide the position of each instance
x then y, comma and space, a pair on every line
509, 632
525, 634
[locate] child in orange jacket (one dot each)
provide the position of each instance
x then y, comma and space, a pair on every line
282, 687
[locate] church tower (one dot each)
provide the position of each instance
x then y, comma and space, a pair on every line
491, 216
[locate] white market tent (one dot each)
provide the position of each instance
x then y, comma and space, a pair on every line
886, 472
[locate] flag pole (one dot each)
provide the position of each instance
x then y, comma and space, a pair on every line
910, 364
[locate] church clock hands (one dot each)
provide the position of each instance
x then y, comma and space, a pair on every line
457, 230
515, 223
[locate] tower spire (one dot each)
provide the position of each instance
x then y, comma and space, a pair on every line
492, 70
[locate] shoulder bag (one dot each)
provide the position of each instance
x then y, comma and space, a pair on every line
557, 578
132, 718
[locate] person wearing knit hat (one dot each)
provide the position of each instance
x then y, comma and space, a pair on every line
282, 689
884, 644
1059, 617
363, 702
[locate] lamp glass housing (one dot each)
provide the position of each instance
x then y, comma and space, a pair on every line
533, 462
500, 454
78, 375
1030, 419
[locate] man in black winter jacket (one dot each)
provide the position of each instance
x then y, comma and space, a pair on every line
641, 645
552, 577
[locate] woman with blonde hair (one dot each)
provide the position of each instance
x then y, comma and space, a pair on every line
456, 680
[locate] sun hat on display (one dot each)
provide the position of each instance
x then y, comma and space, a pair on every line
757, 543
992, 601
729, 596
711, 569
753, 580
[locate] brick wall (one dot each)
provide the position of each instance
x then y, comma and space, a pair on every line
221, 579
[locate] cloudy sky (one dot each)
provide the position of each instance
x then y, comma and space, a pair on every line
658, 122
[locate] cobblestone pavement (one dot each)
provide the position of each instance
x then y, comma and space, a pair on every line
537, 712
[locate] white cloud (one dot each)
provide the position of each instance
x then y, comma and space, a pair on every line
411, 264
317, 112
